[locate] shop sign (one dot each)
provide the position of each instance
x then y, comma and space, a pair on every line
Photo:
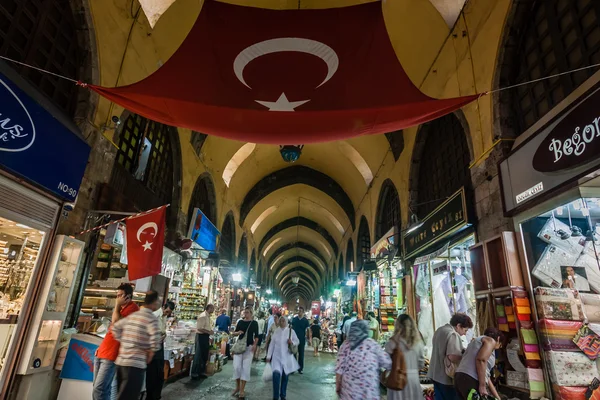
315, 308
79, 362
443, 221
562, 151
203, 231
574, 141
36, 146
383, 247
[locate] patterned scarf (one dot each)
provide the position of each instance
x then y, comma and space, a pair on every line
359, 331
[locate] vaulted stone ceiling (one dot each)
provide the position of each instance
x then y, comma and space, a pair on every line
296, 216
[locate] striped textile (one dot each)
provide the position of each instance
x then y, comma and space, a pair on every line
138, 333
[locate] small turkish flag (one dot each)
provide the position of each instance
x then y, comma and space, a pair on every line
145, 238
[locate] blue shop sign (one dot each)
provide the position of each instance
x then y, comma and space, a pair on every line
79, 362
203, 232
38, 147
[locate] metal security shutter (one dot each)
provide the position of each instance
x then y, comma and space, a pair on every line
26, 204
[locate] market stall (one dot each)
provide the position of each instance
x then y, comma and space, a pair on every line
438, 251
551, 189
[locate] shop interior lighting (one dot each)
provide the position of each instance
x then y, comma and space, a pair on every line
269, 291
336, 292
350, 282
237, 277
23, 226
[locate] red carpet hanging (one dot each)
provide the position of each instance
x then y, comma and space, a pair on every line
284, 77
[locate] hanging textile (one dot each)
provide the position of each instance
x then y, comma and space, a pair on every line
284, 77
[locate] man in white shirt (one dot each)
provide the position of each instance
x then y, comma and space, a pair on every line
204, 328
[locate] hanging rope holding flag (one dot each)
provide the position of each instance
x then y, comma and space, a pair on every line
41, 70
122, 219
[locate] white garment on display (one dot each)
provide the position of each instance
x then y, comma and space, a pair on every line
441, 311
425, 317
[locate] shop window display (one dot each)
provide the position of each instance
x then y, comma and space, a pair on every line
19, 246
443, 287
562, 246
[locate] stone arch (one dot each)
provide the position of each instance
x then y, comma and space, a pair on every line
540, 39
302, 221
204, 197
388, 210
340, 270
440, 163
227, 242
296, 175
300, 245
242, 258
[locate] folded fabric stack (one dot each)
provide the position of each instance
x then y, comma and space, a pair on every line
570, 368
569, 393
558, 335
591, 306
501, 314
537, 388
560, 304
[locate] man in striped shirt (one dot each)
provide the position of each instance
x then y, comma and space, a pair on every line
140, 337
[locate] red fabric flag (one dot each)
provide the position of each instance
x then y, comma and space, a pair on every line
284, 77
145, 239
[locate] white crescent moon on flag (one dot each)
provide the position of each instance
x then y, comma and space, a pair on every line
146, 226
317, 49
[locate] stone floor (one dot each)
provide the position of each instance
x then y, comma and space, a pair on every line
317, 382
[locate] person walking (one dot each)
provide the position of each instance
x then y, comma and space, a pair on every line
300, 326
315, 336
155, 376
105, 369
407, 339
223, 322
282, 360
204, 328
359, 362
262, 323
342, 326
140, 338
246, 329
270, 321
271, 331
346, 325
476, 364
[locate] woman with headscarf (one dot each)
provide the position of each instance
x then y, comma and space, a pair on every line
282, 360
407, 338
359, 362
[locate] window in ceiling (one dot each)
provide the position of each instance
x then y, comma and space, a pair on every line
43, 33
364, 243
443, 166
243, 253
238, 158
350, 266
273, 243
357, 160
197, 141
557, 36
341, 268
449, 9
227, 242
204, 198
388, 210
145, 152
396, 141
262, 217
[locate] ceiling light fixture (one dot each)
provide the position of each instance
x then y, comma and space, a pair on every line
291, 153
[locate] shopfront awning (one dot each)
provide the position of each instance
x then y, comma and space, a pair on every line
284, 77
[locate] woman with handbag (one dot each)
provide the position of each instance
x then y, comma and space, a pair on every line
284, 343
407, 339
359, 362
243, 351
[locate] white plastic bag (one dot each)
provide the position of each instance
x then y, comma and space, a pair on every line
267, 373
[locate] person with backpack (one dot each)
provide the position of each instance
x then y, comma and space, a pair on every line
407, 351
359, 361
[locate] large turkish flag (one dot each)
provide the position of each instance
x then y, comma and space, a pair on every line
145, 239
284, 77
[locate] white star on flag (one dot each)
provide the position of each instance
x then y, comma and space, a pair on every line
147, 246
282, 104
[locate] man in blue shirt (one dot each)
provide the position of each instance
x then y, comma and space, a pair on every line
300, 325
223, 322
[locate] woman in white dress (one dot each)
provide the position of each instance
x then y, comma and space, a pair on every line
282, 360
407, 338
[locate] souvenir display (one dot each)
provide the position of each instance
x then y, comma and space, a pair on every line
591, 306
